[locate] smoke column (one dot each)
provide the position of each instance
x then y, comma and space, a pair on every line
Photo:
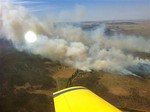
69, 44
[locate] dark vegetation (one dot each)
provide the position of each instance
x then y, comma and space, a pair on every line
18, 68
25, 102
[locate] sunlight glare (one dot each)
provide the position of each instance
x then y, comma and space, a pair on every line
30, 37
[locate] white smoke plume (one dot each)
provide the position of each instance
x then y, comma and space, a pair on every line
86, 50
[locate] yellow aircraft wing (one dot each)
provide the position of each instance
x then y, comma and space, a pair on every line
80, 99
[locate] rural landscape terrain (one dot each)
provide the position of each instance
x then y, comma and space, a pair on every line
27, 81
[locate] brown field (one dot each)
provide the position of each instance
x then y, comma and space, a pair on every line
138, 28
126, 92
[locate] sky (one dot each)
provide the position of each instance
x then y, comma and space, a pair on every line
89, 10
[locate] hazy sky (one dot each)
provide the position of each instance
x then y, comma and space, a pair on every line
81, 10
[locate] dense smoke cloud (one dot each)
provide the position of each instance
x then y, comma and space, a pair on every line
69, 44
